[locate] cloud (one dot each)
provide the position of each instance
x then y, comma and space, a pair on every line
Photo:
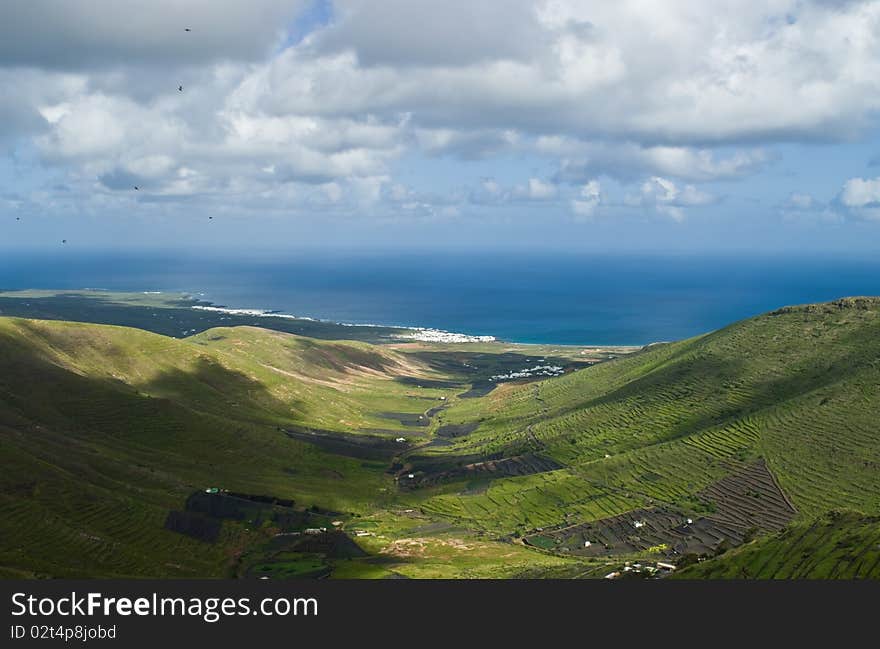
413, 33
861, 192
683, 92
469, 145
669, 199
766, 71
533, 190
860, 198
661, 190
536, 190
73, 35
588, 200
628, 160
803, 207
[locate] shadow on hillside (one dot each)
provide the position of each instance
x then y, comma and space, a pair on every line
339, 357
823, 371
212, 387
32, 377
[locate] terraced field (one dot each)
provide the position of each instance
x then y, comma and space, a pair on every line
743, 430
730, 449
834, 546
742, 504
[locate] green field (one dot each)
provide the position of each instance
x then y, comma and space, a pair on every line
728, 454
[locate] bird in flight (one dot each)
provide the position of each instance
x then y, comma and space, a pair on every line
64, 241
137, 188
179, 88
187, 29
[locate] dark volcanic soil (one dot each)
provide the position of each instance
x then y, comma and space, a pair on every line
517, 465
362, 447
745, 502
457, 430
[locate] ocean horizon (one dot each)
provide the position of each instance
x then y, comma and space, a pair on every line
589, 299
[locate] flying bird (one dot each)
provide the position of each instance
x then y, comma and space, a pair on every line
64, 241
187, 29
137, 188
179, 88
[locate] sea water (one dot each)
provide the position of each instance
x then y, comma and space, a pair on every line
523, 297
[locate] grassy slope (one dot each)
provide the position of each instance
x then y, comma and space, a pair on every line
834, 546
800, 388
103, 429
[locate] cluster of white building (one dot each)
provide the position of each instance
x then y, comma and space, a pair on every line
537, 370
259, 313
440, 336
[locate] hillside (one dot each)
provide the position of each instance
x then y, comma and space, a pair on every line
834, 546
748, 436
797, 389
105, 429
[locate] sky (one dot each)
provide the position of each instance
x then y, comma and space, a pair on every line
682, 125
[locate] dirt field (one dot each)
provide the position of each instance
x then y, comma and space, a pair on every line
518, 465
362, 447
457, 430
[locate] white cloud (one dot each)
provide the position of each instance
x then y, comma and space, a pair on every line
765, 70
533, 190
662, 190
589, 198
667, 198
537, 190
861, 192
683, 92
627, 160
860, 198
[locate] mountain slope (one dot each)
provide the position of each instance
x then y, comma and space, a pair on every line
834, 546
798, 388
103, 430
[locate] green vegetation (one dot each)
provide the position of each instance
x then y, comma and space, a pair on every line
835, 546
418, 464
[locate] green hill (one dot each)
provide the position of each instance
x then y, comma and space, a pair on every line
103, 430
748, 436
797, 390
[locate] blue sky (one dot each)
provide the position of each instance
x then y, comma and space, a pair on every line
677, 125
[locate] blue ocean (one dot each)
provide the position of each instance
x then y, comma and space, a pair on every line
521, 297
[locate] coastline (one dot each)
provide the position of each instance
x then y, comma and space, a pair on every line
415, 333
419, 334
198, 301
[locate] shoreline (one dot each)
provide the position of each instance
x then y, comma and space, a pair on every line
402, 334
417, 333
